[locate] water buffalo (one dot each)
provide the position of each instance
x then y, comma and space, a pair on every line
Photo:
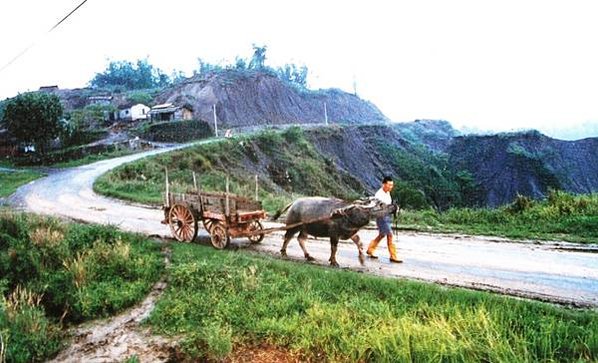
330, 217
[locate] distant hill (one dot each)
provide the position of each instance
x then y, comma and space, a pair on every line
527, 163
432, 158
254, 98
431, 161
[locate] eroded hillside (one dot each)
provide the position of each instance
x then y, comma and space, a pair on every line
527, 163
253, 98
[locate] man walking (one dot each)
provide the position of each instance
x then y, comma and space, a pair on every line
383, 223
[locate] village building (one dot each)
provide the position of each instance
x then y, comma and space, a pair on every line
48, 88
170, 112
133, 113
99, 100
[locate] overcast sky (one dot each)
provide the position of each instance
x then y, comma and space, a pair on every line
498, 65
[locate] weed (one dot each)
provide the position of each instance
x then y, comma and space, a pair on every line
216, 299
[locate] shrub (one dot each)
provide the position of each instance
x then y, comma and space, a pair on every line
521, 204
177, 131
26, 334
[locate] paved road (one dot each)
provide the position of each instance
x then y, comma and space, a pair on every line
557, 272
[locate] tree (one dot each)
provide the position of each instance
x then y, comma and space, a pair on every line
293, 74
131, 76
34, 118
259, 57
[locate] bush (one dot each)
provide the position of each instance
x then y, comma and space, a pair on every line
54, 271
177, 131
521, 204
26, 334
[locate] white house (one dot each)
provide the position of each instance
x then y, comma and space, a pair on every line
134, 113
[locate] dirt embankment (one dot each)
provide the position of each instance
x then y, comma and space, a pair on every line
253, 98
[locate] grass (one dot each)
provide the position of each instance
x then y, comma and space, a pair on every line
218, 300
53, 273
95, 157
289, 166
10, 181
296, 169
561, 216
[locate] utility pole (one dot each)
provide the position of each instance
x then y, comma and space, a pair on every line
256, 190
215, 121
325, 114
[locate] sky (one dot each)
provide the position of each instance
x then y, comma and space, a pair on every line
481, 65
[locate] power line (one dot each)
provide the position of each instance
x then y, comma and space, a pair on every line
34, 42
69, 14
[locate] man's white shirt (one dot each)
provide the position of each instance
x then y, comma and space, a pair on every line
383, 196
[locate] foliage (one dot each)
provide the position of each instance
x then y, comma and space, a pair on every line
143, 97
424, 179
259, 57
10, 181
84, 125
176, 131
292, 167
34, 118
177, 77
520, 204
206, 67
217, 300
561, 216
71, 272
76, 155
293, 74
2, 107
290, 73
26, 333
129, 75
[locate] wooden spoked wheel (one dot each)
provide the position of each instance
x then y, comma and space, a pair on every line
218, 235
255, 226
207, 224
183, 224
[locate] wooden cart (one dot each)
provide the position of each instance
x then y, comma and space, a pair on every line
223, 215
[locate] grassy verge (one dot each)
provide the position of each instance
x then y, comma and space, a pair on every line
287, 165
218, 301
562, 216
52, 273
11, 180
95, 157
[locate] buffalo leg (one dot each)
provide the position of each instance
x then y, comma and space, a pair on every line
333, 247
355, 238
287, 237
302, 238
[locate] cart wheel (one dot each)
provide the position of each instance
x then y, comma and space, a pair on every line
207, 224
255, 226
218, 235
183, 224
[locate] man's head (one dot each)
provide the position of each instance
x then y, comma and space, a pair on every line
387, 184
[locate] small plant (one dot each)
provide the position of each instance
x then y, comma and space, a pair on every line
521, 204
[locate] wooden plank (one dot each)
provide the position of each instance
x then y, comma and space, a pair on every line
212, 215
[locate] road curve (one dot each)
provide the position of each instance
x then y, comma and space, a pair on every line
555, 272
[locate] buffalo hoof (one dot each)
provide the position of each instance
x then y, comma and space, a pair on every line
309, 258
334, 264
283, 253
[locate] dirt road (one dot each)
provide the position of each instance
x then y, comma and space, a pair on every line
557, 272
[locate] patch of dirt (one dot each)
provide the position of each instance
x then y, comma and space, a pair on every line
263, 353
121, 337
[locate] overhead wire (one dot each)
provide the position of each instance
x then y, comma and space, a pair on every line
35, 41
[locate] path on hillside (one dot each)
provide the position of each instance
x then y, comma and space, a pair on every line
557, 272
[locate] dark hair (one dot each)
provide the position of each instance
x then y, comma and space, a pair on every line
386, 179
